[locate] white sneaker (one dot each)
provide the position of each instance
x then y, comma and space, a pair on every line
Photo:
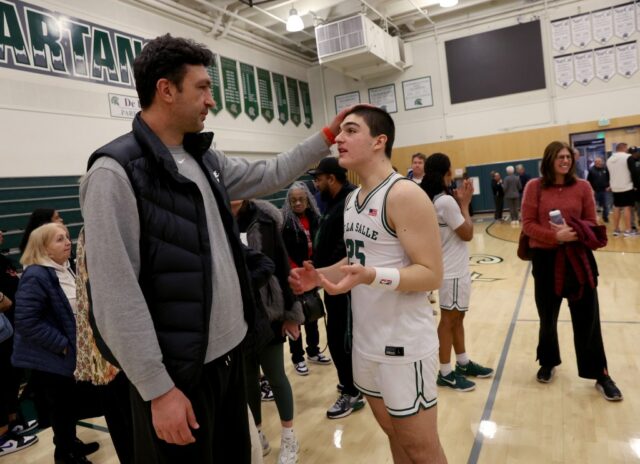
289, 448
301, 368
266, 447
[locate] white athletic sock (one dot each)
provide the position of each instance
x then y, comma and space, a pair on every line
287, 432
445, 369
462, 359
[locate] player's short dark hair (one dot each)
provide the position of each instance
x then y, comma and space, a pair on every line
379, 122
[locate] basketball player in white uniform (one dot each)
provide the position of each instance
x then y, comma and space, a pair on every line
393, 259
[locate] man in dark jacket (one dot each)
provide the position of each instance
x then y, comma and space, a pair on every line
169, 287
598, 177
498, 195
634, 168
331, 180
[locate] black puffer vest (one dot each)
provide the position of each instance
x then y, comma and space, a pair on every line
175, 247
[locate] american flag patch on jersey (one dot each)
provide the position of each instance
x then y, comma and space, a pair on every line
373, 212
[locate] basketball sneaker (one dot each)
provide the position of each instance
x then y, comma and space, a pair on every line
455, 381
474, 370
608, 388
345, 405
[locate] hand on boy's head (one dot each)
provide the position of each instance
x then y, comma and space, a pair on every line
335, 124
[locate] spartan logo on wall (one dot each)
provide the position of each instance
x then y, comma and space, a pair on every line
38, 40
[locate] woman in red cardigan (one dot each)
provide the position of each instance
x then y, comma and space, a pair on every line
555, 277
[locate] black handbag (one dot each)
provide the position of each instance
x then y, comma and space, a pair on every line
312, 306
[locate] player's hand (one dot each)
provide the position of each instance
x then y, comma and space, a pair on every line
305, 278
354, 274
173, 418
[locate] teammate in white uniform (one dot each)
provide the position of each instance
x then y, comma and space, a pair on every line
388, 269
456, 229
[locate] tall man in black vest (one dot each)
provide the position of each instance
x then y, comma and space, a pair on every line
169, 285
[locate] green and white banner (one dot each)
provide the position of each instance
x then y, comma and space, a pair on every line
281, 97
248, 75
42, 41
266, 94
294, 100
216, 89
231, 89
306, 103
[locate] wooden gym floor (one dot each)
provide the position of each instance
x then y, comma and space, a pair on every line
509, 418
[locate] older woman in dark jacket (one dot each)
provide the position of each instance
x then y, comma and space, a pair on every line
300, 215
45, 334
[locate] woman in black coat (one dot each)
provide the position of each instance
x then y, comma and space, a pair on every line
300, 215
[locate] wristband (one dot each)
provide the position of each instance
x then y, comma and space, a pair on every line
387, 278
331, 138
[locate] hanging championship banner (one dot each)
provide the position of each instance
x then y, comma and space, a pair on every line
627, 58
216, 90
42, 41
560, 34
305, 96
581, 30
638, 15
583, 65
294, 101
605, 61
602, 21
281, 97
248, 76
266, 95
231, 90
564, 70
624, 20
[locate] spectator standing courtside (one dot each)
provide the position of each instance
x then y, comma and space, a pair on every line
511, 187
622, 188
170, 292
634, 168
562, 253
329, 247
498, 195
417, 167
599, 179
300, 225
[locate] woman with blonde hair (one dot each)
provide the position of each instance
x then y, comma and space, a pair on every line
45, 334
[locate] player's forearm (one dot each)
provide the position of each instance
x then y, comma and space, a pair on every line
419, 278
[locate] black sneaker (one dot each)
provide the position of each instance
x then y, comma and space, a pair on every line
71, 458
10, 443
85, 449
545, 374
266, 394
608, 388
20, 428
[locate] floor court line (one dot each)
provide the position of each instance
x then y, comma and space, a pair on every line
569, 320
488, 407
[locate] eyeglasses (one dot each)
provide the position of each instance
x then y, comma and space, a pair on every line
294, 200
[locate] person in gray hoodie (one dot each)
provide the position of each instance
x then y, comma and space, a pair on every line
512, 186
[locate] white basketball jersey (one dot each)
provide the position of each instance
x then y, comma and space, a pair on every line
388, 326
